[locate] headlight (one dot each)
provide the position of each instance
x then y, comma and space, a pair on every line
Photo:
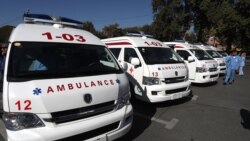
201, 69
19, 121
123, 100
151, 81
222, 64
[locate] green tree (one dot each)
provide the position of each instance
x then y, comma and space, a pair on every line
172, 19
5, 33
112, 30
88, 25
225, 19
243, 30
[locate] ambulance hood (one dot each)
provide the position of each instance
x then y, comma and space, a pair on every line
220, 60
167, 70
209, 63
46, 96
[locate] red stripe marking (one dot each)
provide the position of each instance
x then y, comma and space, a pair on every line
178, 46
118, 43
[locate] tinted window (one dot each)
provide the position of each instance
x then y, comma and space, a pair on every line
184, 54
156, 55
214, 53
201, 54
116, 52
130, 53
34, 60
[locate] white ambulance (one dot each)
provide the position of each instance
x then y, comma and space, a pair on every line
202, 67
223, 53
62, 83
216, 55
156, 73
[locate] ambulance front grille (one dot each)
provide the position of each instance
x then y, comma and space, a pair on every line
212, 69
176, 90
92, 133
174, 79
222, 64
81, 113
213, 76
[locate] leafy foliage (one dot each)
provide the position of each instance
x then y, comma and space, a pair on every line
112, 30
5, 33
171, 19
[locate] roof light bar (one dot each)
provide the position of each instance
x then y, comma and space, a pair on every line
42, 18
139, 34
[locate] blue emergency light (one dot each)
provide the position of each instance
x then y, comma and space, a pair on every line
47, 19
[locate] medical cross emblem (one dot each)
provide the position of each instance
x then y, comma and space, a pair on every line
37, 91
131, 70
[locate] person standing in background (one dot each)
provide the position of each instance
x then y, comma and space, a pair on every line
242, 64
233, 63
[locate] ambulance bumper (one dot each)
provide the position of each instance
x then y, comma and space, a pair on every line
206, 77
165, 92
122, 118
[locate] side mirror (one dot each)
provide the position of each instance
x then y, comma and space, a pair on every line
135, 61
190, 59
124, 66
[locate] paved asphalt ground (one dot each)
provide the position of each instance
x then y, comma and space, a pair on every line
213, 112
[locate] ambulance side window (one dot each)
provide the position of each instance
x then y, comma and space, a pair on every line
184, 54
116, 52
130, 53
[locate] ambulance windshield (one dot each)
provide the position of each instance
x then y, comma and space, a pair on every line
201, 54
214, 53
156, 55
223, 53
36, 60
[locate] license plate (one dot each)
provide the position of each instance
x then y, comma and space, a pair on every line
176, 96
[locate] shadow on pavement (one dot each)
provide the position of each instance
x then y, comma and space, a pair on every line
139, 124
245, 118
148, 110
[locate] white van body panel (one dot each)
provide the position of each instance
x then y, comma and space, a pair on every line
205, 77
162, 92
63, 90
45, 97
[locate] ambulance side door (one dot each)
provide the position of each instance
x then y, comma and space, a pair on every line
135, 73
191, 65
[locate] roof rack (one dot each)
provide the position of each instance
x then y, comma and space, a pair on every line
139, 34
47, 19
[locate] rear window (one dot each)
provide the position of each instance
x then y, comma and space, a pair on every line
36, 60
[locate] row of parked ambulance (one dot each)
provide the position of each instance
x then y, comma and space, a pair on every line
63, 83
158, 73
